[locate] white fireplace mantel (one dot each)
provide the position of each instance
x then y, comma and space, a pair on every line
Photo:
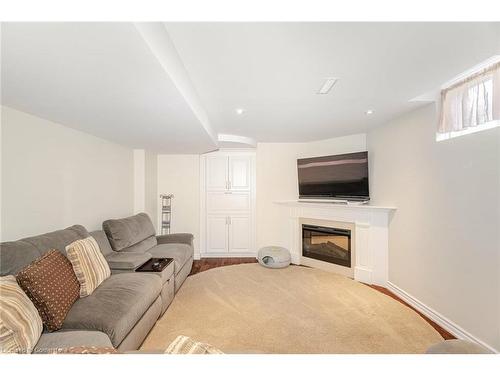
371, 234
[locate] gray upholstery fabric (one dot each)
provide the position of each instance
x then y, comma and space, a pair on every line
180, 252
103, 242
126, 261
185, 238
457, 347
59, 239
142, 246
183, 274
17, 254
65, 339
123, 233
167, 294
116, 305
137, 335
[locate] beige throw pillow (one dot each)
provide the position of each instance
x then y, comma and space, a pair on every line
90, 267
20, 324
186, 345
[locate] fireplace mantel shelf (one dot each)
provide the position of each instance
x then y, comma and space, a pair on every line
334, 205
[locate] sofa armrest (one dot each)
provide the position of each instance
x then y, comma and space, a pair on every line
125, 261
185, 238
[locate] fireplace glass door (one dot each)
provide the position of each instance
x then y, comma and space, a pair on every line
327, 244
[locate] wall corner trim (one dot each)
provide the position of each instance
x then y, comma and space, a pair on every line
436, 317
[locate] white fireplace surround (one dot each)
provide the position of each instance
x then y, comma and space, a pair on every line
371, 234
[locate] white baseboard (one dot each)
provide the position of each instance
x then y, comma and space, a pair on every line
436, 317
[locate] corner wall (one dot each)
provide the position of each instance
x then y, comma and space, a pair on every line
277, 181
180, 175
54, 177
444, 244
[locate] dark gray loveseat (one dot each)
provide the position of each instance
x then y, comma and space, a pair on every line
123, 309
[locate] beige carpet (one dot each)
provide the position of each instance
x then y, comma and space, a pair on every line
247, 308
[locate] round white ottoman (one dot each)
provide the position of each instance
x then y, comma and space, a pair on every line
274, 257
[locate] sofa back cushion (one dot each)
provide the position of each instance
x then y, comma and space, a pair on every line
52, 286
16, 255
20, 324
102, 241
130, 232
90, 267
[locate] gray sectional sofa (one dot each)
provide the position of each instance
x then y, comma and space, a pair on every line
124, 308
134, 238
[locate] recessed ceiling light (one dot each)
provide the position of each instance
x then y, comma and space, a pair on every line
327, 85
240, 111
369, 112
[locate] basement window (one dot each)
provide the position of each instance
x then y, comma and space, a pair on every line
471, 104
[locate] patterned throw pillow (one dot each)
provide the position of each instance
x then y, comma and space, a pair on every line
20, 324
186, 345
90, 267
51, 284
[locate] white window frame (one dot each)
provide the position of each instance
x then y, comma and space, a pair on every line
463, 79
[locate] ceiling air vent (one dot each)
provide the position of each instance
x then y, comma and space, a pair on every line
327, 86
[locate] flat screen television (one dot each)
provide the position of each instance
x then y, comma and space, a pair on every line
343, 177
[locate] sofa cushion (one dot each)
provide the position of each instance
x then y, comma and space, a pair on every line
115, 306
90, 267
50, 342
20, 324
142, 246
15, 255
127, 261
180, 252
51, 285
59, 239
102, 241
123, 233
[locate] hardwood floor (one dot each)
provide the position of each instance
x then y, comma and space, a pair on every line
208, 263
444, 333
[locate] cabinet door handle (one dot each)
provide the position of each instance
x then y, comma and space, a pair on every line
229, 183
229, 218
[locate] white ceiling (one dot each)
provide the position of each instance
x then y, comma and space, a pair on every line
274, 70
101, 78
110, 80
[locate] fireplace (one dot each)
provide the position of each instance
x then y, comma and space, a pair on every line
331, 245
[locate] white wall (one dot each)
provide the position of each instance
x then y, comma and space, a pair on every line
146, 184
180, 175
277, 180
139, 181
54, 177
151, 204
444, 237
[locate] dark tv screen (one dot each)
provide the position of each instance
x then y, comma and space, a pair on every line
337, 176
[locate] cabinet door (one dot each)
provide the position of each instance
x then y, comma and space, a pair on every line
240, 234
239, 172
217, 172
217, 236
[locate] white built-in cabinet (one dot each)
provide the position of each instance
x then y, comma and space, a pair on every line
227, 203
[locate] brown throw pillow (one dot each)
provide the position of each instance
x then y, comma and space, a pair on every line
52, 286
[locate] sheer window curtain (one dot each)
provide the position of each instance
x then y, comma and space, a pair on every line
471, 102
